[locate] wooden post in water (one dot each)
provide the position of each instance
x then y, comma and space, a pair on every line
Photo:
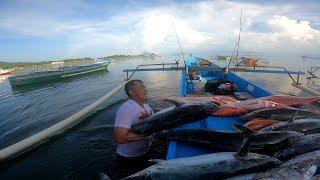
58, 128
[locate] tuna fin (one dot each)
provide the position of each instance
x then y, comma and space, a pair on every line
310, 172
244, 148
294, 116
176, 101
247, 131
156, 160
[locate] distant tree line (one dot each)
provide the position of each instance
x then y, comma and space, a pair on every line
75, 61
10, 65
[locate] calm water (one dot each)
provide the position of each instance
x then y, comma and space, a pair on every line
89, 147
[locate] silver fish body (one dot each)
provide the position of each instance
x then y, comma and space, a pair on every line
208, 166
223, 141
298, 145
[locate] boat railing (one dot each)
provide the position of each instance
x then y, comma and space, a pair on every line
176, 64
296, 81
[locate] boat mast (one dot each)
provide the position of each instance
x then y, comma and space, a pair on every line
178, 40
239, 37
236, 46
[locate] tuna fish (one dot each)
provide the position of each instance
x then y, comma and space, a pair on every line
298, 145
227, 141
292, 100
171, 118
284, 100
208, 166
281, 114
229, 107
311, 158
306, 126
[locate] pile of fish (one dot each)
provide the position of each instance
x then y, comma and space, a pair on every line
275, 142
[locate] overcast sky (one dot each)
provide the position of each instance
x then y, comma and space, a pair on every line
51, 29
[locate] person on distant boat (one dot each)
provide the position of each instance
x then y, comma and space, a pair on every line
130, 151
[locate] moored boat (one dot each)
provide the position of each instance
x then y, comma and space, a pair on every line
57, 74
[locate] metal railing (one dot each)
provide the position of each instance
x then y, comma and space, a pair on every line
277, 67
145, 65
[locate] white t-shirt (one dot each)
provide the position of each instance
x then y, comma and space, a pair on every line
128, 114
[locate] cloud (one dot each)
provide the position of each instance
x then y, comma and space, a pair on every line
207, 26
286, 36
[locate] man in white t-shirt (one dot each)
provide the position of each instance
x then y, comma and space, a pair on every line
133, 111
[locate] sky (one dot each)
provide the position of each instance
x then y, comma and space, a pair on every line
33, 30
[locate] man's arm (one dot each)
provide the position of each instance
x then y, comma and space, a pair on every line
124, 135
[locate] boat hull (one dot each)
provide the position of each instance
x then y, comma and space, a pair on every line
59, 74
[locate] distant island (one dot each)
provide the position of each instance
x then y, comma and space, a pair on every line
34, 66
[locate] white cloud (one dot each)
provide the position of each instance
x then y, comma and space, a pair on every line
203, 26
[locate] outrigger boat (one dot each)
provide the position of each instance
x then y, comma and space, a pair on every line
57, 74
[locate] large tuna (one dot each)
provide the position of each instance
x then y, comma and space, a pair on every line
281, 114
298, 145
223, 141
208, 166
174, 117
306, 126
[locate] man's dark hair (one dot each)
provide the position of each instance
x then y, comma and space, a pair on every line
129, 85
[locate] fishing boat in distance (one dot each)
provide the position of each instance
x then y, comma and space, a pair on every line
58, 74
4, 72
223, 58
